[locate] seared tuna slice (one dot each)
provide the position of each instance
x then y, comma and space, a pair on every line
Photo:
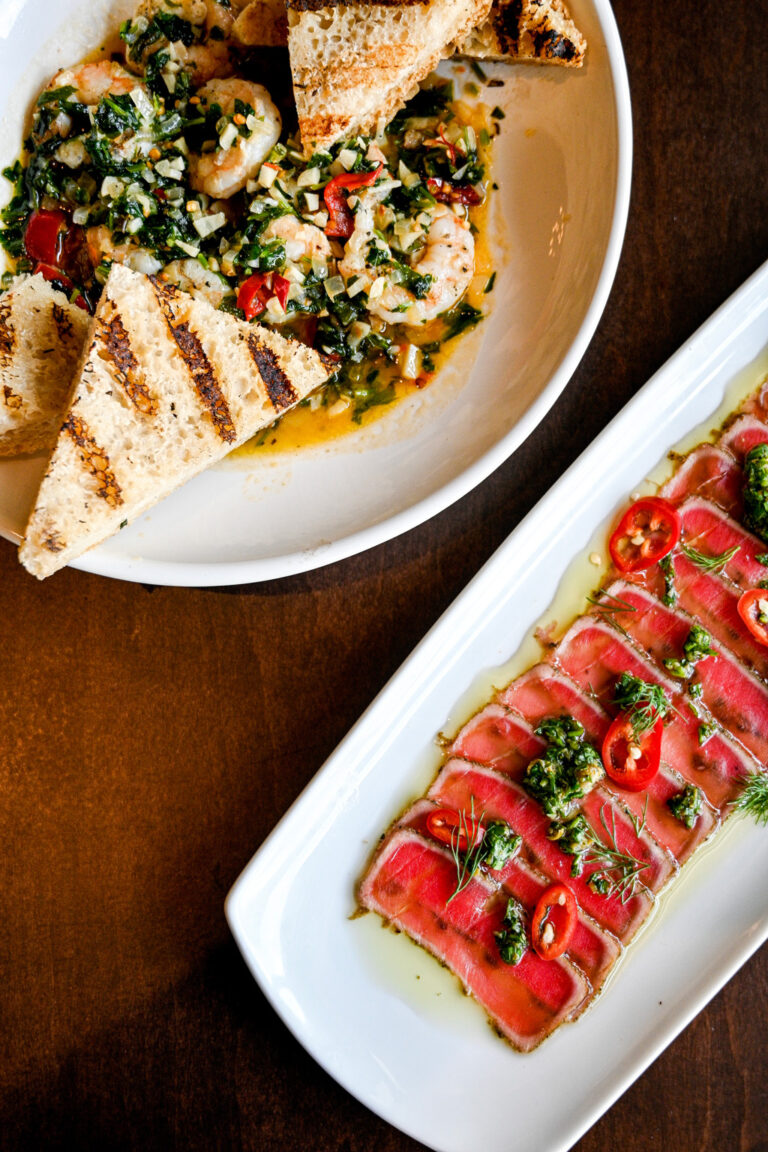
733, 695
742, 435
595, 655
410, 884
497, 738
707, 471
710, 530
459, 785
544, 691
592, 948
713, 601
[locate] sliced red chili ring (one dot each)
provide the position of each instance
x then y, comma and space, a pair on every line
630, 759
455, 828
554, 921
647, 532
753, 609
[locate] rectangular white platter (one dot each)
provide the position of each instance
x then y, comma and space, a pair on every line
374, 1010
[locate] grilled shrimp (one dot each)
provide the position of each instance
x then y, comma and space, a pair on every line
97, 79
224, 171
301, 240
448, 257
101, 246
190, 276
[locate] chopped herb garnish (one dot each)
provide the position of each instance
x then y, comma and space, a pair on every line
644, 703
706, 732
512, 938
709, 563
478, 71
762, 558
489, 286
492, 847
567, 769
670, 592
697, 646
755, 490
615, 872
685, 806
498, 114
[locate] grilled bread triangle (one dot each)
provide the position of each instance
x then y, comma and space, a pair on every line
537, 31
41, 338
355, 63
166, 386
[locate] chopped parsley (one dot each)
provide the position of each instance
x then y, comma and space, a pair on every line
685, 806
755, 491
697, 646
512, 937
568, 768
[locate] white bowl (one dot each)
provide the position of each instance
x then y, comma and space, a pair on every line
563, 165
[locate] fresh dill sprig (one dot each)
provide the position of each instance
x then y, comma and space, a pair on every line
618, 872
639, 825
709, 563
643, 702
611, 604
467, 861
753, 800
614, 872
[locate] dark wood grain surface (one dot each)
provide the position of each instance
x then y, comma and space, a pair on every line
151, 738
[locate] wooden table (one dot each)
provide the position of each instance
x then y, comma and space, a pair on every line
152, 737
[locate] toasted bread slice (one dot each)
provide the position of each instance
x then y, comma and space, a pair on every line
355, 63
166, 386
262, 24
41, 338
531, 31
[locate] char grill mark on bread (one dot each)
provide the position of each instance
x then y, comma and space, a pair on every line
95, 459
117, 347
537, 31
115, 458
197, 363
279, 387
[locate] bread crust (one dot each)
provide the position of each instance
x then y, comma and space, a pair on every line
166, 386
356, 64
41, 336
530, 31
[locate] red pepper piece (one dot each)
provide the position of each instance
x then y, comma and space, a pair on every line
632, 760
448, 193
454, 828
280, 288
253, 293
341, 222
753, 615
42, 238
646, 533
554, 921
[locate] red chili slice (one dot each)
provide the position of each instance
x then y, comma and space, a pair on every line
455, 828
647, 532
43, 236
281, 287
755, 617
341, 222
632, 761
554, 921
448, 193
